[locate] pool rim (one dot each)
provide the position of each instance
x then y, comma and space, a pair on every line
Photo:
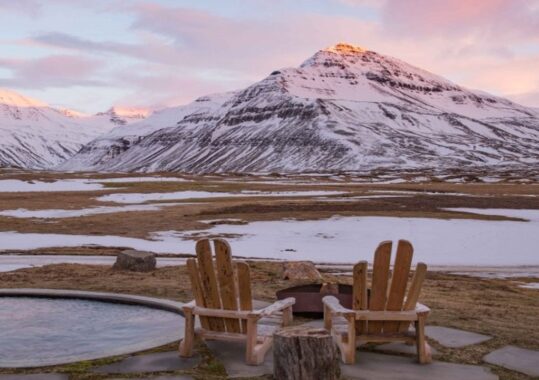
118, 298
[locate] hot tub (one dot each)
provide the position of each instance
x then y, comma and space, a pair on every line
39, 328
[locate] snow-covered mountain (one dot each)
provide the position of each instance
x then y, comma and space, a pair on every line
37, 136
345, 108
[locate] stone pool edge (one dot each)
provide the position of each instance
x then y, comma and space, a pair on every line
150, 302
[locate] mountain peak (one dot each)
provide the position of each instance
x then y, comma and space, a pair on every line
12, 98
344, 48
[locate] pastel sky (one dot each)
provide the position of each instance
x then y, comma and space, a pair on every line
89, 55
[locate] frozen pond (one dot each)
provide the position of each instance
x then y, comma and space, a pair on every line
180, 195
43, 331
338, 240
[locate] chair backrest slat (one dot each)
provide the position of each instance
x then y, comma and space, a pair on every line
227, 287
198, 293
413, 293
360, 295
244, 289
399, 280
209, 282
380, 275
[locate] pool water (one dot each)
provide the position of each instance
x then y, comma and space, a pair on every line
47, 331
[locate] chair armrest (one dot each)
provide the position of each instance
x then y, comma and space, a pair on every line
274, 307
333, 304
421, 309
189, 305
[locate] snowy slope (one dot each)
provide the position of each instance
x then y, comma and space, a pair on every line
345, 108
37, 136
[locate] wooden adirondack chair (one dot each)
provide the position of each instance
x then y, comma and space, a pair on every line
381, 316
224, 305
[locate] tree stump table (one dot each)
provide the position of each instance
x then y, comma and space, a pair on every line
305, 353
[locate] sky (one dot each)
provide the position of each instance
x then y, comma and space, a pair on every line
90, 55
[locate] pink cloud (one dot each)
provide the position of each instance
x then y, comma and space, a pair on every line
52, 71
485, 19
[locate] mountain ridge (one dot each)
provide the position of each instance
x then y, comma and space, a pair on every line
344, 108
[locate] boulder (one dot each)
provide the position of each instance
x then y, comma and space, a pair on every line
137, 261
301, 270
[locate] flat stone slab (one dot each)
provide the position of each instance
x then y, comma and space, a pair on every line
35, 376
170, 377
516, 359
454, 338
158, 362
372, 366
400, 348
232, 356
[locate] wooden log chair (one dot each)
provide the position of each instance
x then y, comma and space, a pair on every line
381, 316
224, 305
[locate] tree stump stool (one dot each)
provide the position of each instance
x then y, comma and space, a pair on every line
305, 353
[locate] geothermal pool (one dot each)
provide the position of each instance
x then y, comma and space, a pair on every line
47, 331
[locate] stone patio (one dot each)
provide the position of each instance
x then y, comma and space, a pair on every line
36, 376
516, 359
454, 338
232, 356
158, 362
373, 366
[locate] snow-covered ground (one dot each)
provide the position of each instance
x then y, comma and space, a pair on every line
134, 198
531, 215
60, 213
337, 240
15, 185
138, 179
530, 285
78, 184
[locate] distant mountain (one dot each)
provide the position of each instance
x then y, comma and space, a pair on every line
345, 108
36, 136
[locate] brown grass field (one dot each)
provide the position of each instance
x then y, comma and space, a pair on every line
496, 307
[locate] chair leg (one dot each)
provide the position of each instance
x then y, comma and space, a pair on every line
250, 353
424, 353
288, 317
186, 345
349, 354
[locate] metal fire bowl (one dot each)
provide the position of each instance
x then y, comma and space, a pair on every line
309, 299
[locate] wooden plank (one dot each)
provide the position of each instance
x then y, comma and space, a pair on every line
401, 271
359, 294
209, 282
197, 289
227, 286
243, 273
380, 276
413, 293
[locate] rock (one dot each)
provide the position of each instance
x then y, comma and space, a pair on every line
305, 353
516, 358
300, 270
137, 261
454, 338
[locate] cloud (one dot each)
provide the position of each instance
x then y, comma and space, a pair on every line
26, 7
178, 53
52, 71
487, 20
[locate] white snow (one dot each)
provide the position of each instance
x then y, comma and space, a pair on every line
336, 240
61, 213
530, 285
137, 179
180, 195
531, 215
15, 185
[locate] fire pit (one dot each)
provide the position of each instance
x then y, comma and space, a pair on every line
309, 297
